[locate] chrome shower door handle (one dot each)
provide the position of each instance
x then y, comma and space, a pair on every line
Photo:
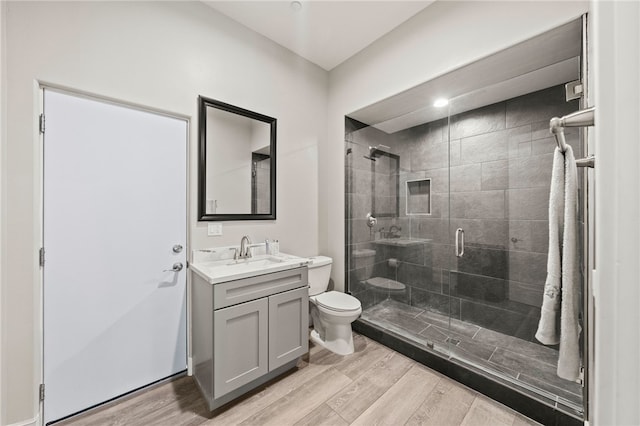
459, 242
177, 267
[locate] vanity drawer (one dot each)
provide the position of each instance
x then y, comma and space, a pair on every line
239, 291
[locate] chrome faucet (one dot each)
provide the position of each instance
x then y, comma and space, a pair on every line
245, 248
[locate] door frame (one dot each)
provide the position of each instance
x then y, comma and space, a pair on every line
588, 228
39, 89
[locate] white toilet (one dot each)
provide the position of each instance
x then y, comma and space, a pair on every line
363, 260
332, 312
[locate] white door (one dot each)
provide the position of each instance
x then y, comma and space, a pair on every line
114, 208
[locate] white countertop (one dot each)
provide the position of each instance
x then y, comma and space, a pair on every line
217, 265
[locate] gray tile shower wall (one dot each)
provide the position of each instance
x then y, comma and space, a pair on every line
360, 178
490, 171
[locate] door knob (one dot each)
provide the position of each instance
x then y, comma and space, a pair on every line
177, 248
177, 267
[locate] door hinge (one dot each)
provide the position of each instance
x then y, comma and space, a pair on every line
42, 392
41, 255
581, 377
41, 123
573, 90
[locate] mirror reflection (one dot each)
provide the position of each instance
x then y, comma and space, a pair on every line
237, 163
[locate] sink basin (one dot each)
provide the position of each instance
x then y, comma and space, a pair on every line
255, 262
217, 271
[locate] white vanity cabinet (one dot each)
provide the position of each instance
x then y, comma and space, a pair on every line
247, 331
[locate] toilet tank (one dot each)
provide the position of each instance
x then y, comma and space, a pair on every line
319, 273
363, 261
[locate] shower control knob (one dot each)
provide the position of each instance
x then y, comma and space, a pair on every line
371, 220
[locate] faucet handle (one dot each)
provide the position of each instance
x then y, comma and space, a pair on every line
235, 253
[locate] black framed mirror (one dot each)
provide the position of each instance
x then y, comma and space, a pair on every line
236, 164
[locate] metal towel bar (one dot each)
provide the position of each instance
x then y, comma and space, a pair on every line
589, 161
582, 118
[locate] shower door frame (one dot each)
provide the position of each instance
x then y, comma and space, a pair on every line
588, 230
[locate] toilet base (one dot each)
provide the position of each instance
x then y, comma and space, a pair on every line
338, 339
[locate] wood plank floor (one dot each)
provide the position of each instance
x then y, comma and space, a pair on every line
373, 386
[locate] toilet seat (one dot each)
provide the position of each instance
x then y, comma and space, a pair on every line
337, 301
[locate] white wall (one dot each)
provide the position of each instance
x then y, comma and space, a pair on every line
3, 109
160, 55
229, 139
260, 136
617, 149
445, 36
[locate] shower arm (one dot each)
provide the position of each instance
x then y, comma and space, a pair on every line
582, 118
374, 149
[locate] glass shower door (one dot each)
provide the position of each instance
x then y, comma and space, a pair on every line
396, 202
500, 174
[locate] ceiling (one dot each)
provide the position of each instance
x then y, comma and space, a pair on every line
324, 32
328, 32
543, 61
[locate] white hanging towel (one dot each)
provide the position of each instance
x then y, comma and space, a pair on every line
561, 300
569, 359
549, 327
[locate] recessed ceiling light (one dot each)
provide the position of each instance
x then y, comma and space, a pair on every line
439, 103
296, 6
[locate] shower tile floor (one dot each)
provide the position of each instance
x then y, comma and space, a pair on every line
529, 363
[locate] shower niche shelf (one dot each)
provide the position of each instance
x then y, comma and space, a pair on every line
419, 197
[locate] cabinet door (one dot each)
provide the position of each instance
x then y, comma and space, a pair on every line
288, 326
240, 345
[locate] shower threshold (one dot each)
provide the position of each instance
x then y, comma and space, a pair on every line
525, 367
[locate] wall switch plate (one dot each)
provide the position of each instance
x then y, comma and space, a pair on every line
214, 229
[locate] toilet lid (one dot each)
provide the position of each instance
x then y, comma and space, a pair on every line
338, 301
